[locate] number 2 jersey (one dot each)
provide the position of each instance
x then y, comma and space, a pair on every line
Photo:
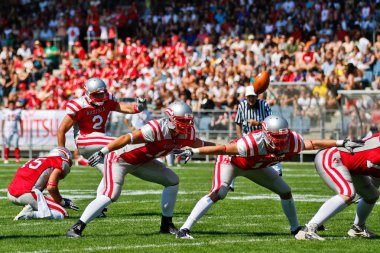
90, 118
254, 154
35, 174
159, 142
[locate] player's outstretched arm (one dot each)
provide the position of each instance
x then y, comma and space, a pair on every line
138, 107
320, 144
201, 143
65, 126
135, 137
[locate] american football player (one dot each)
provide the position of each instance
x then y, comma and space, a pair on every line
30, 181
348, 174
11, 120
253, 156
88, 115
136, 153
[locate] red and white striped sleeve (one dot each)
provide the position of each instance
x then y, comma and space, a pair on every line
299, 145
152, 131
247, 146
72, 109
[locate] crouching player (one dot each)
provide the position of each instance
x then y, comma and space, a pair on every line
253, 156
31, 179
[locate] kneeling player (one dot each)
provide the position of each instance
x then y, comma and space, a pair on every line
36, 175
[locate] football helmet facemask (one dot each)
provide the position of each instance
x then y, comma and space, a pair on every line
96, 91
180, 117
276, 130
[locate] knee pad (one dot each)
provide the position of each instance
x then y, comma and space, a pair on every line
223, 191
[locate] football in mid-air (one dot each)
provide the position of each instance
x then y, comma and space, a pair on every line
261, 82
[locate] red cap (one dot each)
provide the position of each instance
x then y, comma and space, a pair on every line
22, 86
65, 54
93, 43
77, 43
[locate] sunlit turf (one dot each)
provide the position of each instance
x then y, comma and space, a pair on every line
248, 220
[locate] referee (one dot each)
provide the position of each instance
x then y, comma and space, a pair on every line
251, 113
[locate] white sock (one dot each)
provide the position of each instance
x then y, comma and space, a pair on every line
362, 211
169, 196
95, 208
198, 211
331, 207
290, 211
101, 187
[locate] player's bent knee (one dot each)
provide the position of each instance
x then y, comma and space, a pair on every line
172, 180
223, 190
287, 195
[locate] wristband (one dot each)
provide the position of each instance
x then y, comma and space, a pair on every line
135, 108
131, 136
105, 150
52, 184
339, 143
224, 149
195, 150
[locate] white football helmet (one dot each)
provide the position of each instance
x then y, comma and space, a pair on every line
64, 153
96, 91
276, 129
180, 117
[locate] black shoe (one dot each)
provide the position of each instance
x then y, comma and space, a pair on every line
168, 229
76, 230
184, 234
103, 213
321, 228
294, 232
232, 189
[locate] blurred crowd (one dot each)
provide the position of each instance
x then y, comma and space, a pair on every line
202, 52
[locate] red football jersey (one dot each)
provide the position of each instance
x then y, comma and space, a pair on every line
35, 174
159, 143
364, 160
90, 118
253, 152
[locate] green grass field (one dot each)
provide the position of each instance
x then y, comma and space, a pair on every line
248, 220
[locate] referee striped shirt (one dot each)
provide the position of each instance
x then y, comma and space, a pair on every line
258, 112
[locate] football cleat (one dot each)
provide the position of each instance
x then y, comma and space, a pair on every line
308, 232
361, 231
168, 229
184, 234
25, 214
295, 231
321, 228
76, 230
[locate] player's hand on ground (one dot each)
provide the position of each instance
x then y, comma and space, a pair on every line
351, 145
95, 158
186, 153
141, 104
68, 203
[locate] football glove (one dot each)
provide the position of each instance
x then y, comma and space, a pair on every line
68, 203
186, 153
95, 158
351, 145
141, 104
